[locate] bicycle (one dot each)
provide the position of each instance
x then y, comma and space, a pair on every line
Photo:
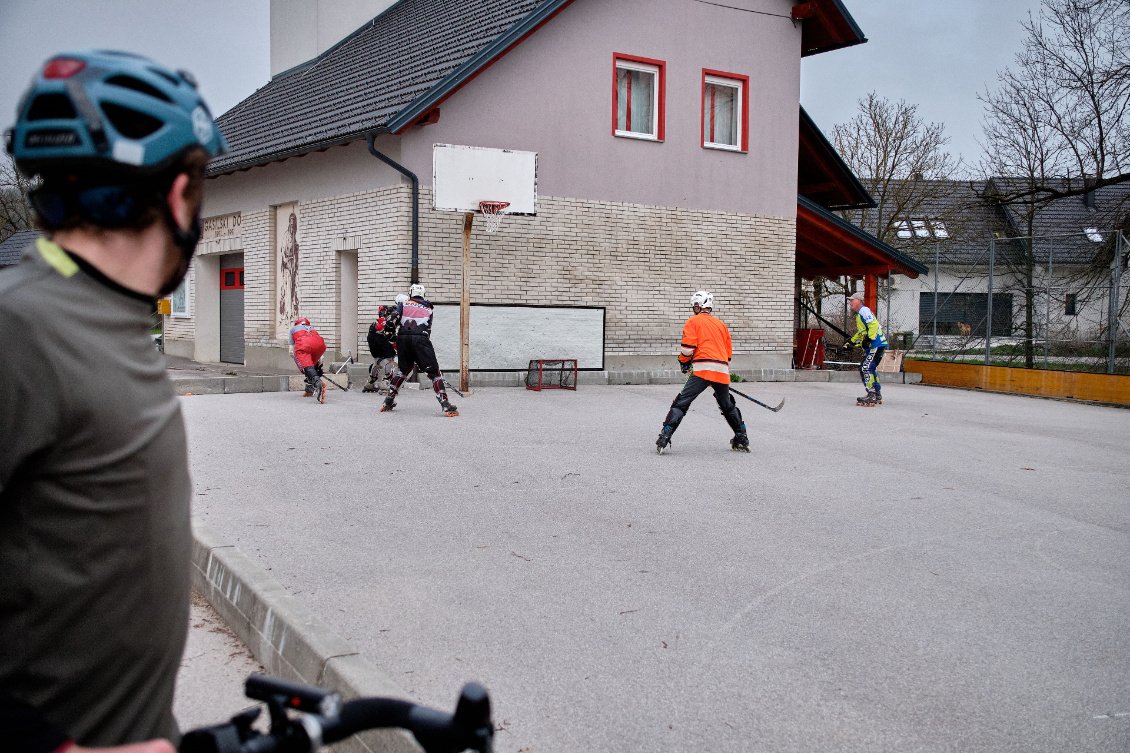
322, 718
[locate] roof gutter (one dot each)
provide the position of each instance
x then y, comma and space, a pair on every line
475, 65
298, 151
415, 203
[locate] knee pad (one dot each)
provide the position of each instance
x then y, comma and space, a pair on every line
395, 382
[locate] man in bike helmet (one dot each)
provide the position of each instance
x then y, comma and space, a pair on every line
95, 540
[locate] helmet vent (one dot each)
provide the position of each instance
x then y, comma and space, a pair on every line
137, 85
171, 79
130, 123
51, 107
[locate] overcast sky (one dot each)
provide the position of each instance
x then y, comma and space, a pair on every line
936, 53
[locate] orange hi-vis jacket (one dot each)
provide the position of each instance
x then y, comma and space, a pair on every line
706, 345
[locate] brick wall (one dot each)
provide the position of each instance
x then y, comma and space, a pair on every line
640, 262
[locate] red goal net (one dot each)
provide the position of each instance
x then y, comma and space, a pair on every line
559, 374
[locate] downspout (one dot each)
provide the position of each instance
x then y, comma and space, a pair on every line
415, 204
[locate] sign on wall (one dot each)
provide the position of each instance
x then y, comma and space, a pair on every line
222, 226
507, 337
287, 234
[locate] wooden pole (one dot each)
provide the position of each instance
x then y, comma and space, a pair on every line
871, 292
465, 308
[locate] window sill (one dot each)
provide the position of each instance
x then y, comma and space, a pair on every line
725, 148
637, 136
180, 316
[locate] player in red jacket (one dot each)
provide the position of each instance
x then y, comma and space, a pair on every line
706, 348
309, 347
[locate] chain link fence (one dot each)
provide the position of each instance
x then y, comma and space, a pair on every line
1048, 302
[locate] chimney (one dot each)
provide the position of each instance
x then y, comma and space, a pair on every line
303, 29
1089, 197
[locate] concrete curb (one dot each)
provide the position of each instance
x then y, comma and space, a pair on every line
286, 637
359, 374
228, 385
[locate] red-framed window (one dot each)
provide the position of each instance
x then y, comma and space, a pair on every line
231, 278
639, 97
725, 111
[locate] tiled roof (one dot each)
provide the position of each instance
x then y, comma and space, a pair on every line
14, 245
972, 219
1062, 225
361, 84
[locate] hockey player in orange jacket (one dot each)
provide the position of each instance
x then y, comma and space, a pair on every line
706, 349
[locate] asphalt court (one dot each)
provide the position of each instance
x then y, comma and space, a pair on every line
948, 571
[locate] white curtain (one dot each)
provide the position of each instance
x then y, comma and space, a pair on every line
635, 101
720, 114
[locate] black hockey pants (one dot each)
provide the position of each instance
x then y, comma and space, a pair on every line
415, 351
694, 387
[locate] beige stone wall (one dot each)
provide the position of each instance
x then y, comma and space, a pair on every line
640, 262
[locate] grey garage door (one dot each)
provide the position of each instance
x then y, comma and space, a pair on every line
231, 308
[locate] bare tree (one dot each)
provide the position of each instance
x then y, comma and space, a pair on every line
1058, 124
900, 159
1060, 119
15, 212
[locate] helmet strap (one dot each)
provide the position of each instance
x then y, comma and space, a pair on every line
186, 241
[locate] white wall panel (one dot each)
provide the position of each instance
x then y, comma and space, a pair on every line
507, 337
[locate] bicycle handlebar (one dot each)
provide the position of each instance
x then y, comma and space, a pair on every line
323, 719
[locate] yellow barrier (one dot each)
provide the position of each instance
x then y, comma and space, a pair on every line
1102, 388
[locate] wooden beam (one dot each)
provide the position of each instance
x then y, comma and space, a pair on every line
807, 188
804, 10
853, 271
870, 292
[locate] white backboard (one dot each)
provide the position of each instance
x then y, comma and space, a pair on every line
505, 338
462, 176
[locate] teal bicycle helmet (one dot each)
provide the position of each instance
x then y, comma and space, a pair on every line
111, 111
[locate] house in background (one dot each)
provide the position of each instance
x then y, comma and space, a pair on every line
1063, 271
13, 246
667, 140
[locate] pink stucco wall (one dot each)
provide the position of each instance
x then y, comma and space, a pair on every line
553, 95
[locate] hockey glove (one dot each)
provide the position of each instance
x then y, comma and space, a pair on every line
685, 367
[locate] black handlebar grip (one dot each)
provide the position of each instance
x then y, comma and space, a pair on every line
307, 698
473, 709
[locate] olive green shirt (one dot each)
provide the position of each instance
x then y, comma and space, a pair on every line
95, 539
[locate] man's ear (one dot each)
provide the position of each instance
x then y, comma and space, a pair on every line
181, 208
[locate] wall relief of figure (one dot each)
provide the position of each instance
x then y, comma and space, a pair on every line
287, 254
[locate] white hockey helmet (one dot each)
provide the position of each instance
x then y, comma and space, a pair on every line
401, 298
702, 299
417, 290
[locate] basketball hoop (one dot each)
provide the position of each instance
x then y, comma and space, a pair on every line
492, 213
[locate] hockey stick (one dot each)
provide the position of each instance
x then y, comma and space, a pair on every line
763, 405
447, 384
335, 384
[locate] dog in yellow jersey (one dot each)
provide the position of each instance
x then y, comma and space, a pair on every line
705, 353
